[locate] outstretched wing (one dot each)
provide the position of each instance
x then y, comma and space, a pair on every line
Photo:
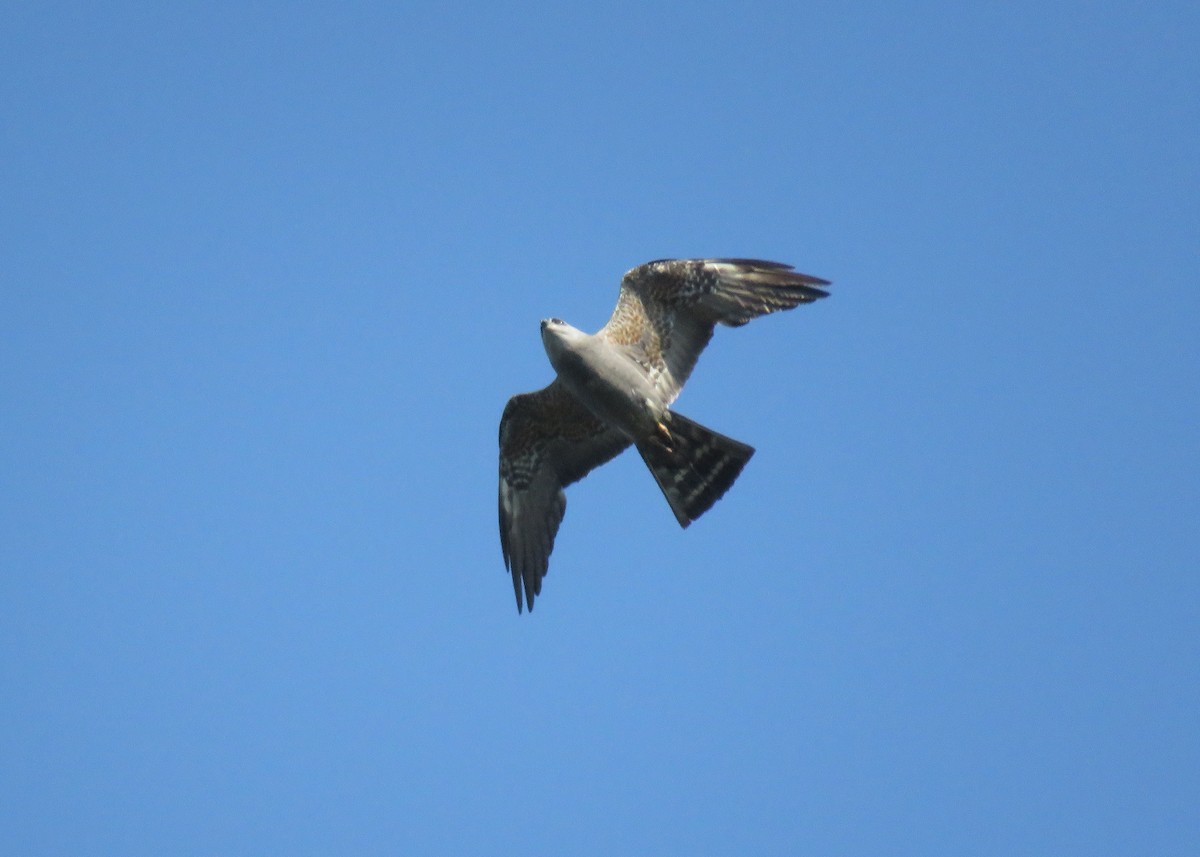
547, 441
667, 309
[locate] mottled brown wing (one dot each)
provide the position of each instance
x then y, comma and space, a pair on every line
547, 441
667, 309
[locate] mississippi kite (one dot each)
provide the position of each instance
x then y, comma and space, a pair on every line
613, 390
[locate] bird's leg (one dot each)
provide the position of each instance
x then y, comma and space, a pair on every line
662, 436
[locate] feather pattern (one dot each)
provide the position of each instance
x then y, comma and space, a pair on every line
665, 316
667, 310
548, 440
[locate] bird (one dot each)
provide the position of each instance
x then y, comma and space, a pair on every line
613, 389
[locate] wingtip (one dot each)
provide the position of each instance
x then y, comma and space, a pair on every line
810, 280
530, 593
781, 268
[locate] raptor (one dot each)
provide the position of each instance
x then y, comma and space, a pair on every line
614, 389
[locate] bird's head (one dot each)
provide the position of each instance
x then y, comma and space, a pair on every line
558, 336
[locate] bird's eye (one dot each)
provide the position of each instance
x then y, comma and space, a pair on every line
556, 321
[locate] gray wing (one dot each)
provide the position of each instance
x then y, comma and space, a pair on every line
547, 441
667, 309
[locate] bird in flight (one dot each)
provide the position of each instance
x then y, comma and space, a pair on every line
614, 389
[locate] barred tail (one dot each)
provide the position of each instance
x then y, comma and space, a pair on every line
697, 469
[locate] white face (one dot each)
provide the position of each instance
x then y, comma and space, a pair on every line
557, 336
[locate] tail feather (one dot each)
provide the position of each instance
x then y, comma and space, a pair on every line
697, 469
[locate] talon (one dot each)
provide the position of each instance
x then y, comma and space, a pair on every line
663, 436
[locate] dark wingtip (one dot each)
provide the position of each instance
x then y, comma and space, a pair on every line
806, 292
783, 269
516, 583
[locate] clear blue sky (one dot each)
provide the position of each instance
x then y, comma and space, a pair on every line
271, 271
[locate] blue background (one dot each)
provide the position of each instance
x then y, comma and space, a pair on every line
271, 271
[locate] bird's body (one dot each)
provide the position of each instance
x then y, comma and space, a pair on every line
605, 378
614, 389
